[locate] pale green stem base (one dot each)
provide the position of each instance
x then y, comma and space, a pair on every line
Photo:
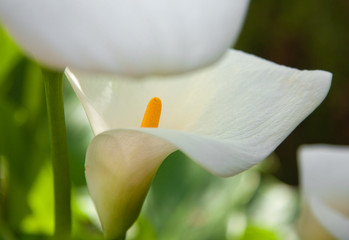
59, 148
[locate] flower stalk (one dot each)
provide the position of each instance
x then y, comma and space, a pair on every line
59, 152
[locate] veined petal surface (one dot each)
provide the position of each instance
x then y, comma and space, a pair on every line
133, 37
226, 117
324, 177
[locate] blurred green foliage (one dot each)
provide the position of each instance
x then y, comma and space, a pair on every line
185, 201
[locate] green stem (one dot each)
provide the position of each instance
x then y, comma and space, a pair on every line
59, 148
5, 231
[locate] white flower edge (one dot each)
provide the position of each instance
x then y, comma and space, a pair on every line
126, 37
324, 181
238, 110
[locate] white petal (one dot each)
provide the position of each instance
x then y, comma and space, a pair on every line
119, 170
239, 110
324, 171
133, 37
325, 178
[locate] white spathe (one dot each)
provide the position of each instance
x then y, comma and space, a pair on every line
324, 175
227, 118
133, 37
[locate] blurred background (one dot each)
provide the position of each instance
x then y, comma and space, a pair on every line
185, 201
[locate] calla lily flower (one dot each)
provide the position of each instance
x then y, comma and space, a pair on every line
324, 175
125, 37
227, 117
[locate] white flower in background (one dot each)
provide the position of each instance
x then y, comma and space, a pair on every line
133, 37
227, 117
324, 175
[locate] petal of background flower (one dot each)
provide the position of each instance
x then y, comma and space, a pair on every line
134, 37
235, 112
324, 177
334, 221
